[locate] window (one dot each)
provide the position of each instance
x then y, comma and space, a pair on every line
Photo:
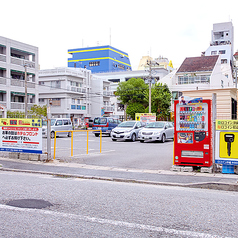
194, 79
224, 61
120, 66
41, 83
59, 123
222, 52
66, 122
214, 52
73, 106
94, 63
41, 100
73, 100
56, 102
55, 84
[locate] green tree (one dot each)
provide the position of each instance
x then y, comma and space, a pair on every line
132, 91
160, 100
15, 114
134, 108
38, 111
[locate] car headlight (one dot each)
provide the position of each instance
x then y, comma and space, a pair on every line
127, 131
156, 133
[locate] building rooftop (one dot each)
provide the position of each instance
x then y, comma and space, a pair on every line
196, 64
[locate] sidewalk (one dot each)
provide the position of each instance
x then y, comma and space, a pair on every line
228, 182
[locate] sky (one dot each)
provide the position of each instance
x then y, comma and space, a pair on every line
172, 29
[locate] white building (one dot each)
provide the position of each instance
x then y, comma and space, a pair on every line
15, 57
117, 77
75, 93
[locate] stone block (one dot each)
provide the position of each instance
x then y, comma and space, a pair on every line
176, 168
23, 156
206, 169
34, 157
187, 169
14, 155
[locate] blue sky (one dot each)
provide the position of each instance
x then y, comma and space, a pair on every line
173, 29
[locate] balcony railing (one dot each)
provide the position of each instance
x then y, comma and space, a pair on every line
108, 108
3, 80
22, 62
21, 83
107, 93
3, 58
21, 105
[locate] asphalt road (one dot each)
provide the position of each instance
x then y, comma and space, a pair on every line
92, 208
121, 154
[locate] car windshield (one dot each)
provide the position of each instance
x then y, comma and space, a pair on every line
52, 122
127, 124
155, 125
44, 123
99, 121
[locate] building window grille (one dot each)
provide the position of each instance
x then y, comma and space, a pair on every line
194, 79
94, 63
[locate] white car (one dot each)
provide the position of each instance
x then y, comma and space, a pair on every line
127, 130
157, 131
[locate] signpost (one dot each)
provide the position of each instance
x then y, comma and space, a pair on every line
21, 135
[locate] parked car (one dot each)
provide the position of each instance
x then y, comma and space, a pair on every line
157, 131
127, 130
58, 124
105, 124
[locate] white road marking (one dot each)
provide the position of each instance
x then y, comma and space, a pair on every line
113, 222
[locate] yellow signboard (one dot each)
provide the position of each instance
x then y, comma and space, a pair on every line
227, 125
22, 122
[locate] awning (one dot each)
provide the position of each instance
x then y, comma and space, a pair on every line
21, 72
22, 94
1, 91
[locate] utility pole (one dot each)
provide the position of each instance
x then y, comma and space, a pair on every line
149, 62
49, 103
25, 89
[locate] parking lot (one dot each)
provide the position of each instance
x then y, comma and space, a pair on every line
118, 154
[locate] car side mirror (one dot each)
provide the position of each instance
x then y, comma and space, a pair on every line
165, 127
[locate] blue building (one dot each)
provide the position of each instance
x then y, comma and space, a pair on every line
99, 59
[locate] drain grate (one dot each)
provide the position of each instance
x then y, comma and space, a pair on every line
29, 203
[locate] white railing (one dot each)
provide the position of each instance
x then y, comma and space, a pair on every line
107, 93
3, 58
62, 71
21, 83
21, 105
3, 80
108, 108
17, 82
22, 62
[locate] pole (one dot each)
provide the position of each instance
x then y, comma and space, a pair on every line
48, 130
150, 86
214, 114
25, 91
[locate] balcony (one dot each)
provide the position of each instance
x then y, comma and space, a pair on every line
3, 81
21, 105
3, 58
108, 108
22, 62
107, 93
21, 83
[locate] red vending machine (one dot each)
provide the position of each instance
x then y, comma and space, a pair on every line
193, 133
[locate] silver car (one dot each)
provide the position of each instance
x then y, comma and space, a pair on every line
127, 130
157, 131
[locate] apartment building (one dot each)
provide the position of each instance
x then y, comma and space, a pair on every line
18, 59
74, 93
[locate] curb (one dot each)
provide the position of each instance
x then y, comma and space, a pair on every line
204, 185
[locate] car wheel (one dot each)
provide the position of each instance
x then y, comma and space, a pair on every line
52, 134
97, 135
133, 137
163, 138
69, 134
141, 141
113, 139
